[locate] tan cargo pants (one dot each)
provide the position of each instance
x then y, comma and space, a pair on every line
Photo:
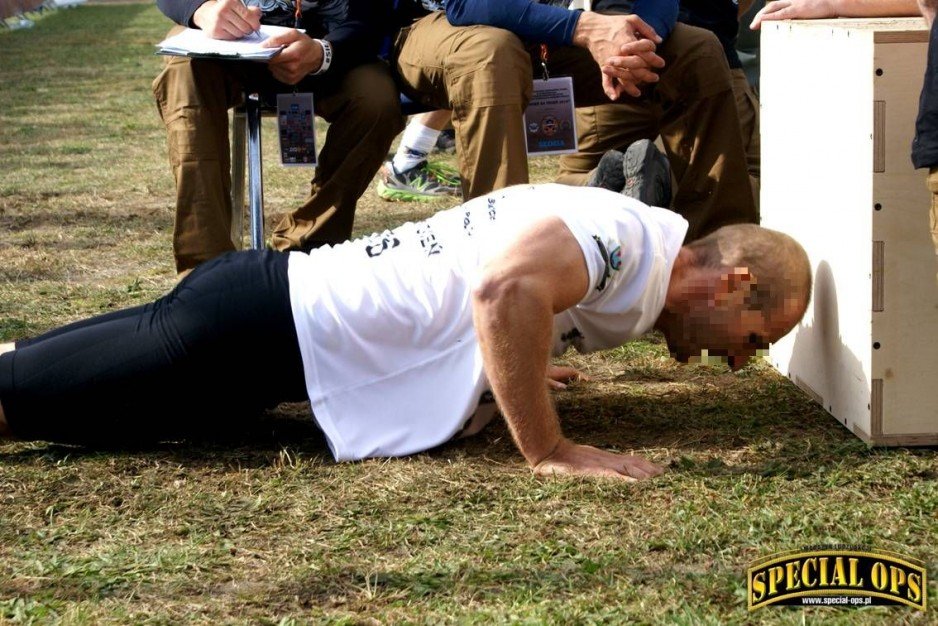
484, 75
193, 98
603, 127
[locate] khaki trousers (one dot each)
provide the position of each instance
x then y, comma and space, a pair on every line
602, 127
484, 75
193, 97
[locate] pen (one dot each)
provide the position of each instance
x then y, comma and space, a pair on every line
255, 33
298, 15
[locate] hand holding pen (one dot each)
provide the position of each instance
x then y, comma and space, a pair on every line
227, 19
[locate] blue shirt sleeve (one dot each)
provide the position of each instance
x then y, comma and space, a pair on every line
529, 20
543, 23
659, 14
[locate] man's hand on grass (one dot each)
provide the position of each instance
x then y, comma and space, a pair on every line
559, 376
227, 19
573, 459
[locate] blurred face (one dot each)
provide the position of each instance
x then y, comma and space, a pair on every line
716, 317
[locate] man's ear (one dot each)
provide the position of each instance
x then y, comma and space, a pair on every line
733, 283
734, 280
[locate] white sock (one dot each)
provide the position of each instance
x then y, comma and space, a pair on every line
416, 144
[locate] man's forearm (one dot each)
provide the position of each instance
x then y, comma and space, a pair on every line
514, 326
875, 8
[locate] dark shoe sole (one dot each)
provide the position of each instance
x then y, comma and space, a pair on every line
609, 173
647, 174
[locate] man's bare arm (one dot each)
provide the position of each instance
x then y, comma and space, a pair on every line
543, 273
819, 9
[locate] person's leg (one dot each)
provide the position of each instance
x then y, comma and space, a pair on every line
694, 108
747, 107
615, 126
483, 75
701, 133
601, 125
364, 113
220, 344
193, 97
419, 138
410, 175
602, 128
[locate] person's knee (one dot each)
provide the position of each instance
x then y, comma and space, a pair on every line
492, 69
374, 102
193, 85
696, 64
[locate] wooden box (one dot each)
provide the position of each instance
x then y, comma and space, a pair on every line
839, 101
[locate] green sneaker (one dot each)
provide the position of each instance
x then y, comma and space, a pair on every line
426, 181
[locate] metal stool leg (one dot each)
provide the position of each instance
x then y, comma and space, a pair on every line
255, 175
238, 134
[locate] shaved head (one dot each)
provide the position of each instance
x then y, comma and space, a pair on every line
777, 262
735, 292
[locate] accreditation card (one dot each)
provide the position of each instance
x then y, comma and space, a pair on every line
549, 122
297, 133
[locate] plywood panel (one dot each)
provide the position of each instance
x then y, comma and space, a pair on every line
816, 135
907, 328
837, 175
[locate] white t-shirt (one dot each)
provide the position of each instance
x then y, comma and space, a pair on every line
384, 323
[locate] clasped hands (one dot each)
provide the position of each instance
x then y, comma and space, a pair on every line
231, 19
625, 47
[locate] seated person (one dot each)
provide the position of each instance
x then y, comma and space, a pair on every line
411, 329
336, 58
672, 79
607, 131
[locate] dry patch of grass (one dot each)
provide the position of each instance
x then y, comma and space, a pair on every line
259, 526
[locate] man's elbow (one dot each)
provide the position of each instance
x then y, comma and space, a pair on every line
495, 288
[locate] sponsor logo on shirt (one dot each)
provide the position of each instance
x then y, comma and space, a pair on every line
571, 335
611, 260
491, 209
427, 239
379, 242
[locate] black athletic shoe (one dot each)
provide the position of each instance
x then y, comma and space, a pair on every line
647, 174
610, 173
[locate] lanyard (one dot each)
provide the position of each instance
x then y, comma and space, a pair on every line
544, 61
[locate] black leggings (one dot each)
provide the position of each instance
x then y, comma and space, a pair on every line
220, 345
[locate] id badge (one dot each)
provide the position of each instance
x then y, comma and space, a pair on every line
549, 121
297, 132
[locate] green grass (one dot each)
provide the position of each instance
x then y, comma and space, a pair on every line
260, 526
